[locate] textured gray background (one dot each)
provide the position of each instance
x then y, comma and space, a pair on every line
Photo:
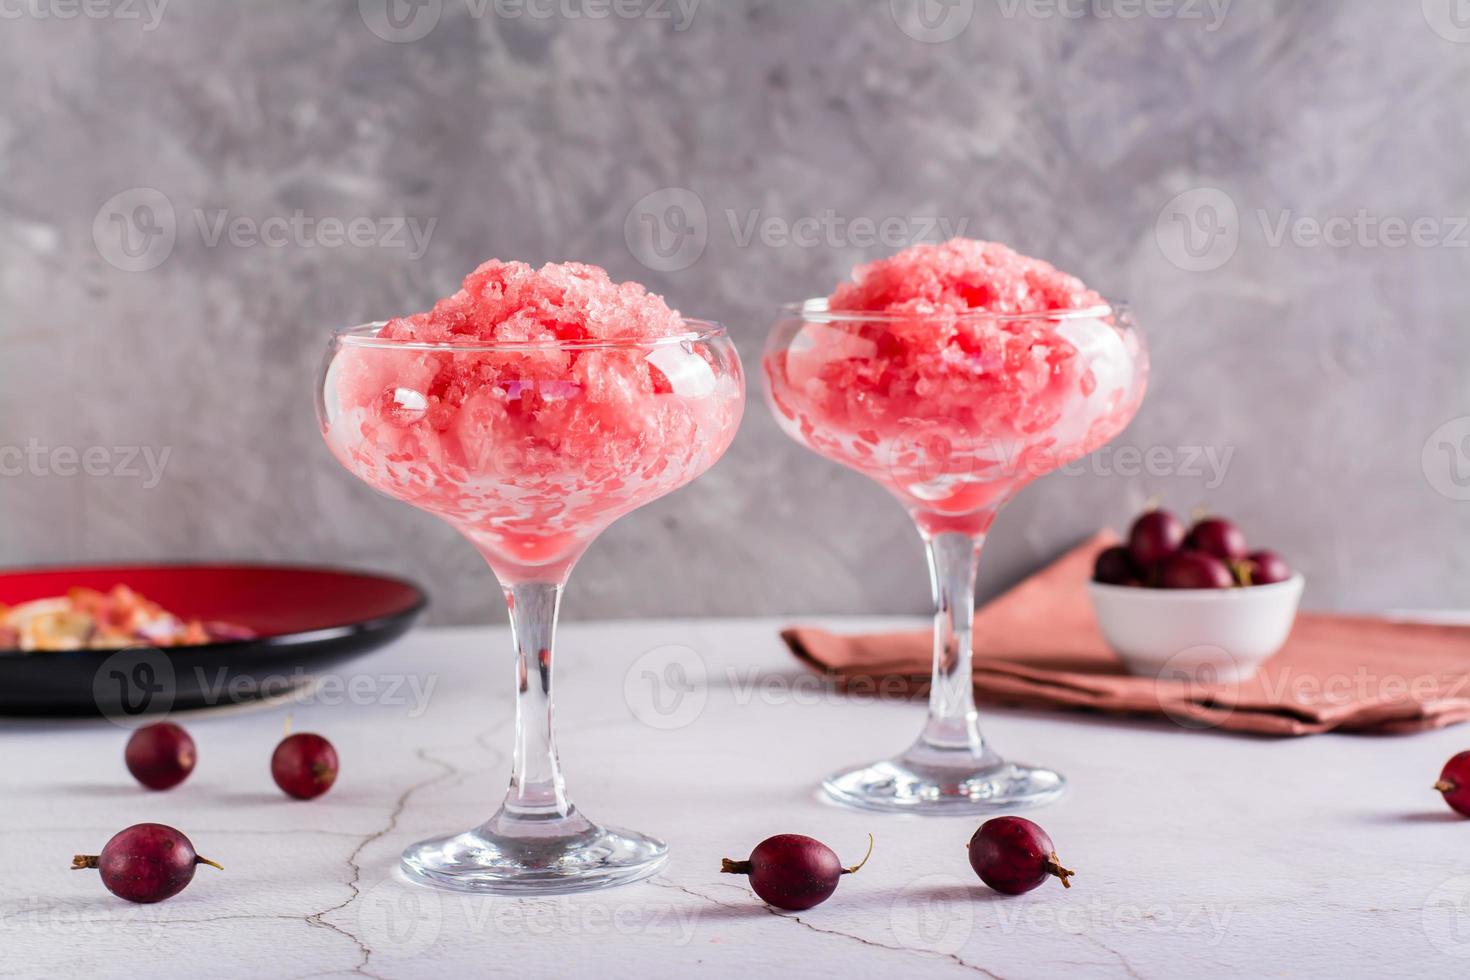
1325, 370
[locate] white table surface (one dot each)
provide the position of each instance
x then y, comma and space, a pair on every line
1197, 854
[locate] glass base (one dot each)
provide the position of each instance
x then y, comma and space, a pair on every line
482, 862
944, 783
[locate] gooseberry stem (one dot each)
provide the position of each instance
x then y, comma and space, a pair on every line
1054, 867
856, 867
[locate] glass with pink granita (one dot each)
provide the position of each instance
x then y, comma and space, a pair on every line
954, 375
530, 410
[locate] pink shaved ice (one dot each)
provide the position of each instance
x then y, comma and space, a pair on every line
962, 274
585, 399
951, 408
510, 302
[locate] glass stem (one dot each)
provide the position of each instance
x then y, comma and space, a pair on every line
953, 722
537, 791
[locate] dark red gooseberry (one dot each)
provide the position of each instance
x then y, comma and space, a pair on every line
793, 872
1218, 537
1114, 566
1014, 855
146, 863
160, 756
1195, 570
1454, 783
1154, 537
1266, 568
304, 766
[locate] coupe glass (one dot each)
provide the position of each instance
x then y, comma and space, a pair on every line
530, 451
953, 414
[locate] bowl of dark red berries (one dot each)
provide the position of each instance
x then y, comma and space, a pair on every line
1193, 602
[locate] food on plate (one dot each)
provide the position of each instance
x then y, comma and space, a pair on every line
85, 619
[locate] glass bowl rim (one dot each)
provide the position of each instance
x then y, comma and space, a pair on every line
816, 310
365, 335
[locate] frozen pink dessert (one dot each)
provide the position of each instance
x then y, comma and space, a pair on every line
959, 276
534, 407
955, 374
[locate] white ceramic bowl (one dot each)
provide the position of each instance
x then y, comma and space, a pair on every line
1196, 633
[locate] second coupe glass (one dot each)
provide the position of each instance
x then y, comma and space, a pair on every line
952, 412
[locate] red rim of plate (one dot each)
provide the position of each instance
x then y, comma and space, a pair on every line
281, 603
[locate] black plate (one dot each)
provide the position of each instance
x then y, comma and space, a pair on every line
305, 619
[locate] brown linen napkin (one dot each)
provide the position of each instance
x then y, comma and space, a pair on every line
1038, 645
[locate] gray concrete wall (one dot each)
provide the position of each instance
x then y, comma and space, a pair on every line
1330, 375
